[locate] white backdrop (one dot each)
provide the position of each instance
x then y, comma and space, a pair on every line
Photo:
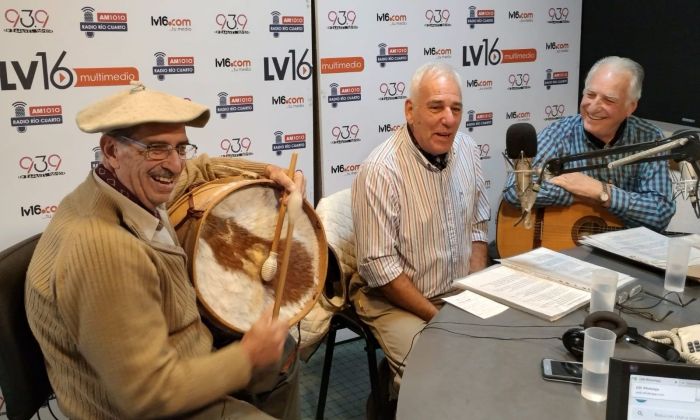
518, 61
253, 57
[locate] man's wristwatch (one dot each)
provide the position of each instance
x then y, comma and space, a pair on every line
604, 194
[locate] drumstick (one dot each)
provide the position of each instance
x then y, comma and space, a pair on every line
269, 267
293, 212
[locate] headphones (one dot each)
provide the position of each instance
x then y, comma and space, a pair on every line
573, 339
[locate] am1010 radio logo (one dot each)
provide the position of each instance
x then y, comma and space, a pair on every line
102, 22
229, 104
391, 54
340, 94
169, 65
26, 116
40, 166
285, 24
288, 142
478, 119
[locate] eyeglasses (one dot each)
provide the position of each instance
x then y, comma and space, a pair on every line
630, 294
161, 151
646, 314
675, 299
637, 291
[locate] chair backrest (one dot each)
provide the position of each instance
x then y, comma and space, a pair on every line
335, 212
23, 380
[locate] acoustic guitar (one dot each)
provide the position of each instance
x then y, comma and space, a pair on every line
554, 227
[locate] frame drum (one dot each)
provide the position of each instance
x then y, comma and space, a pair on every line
226, 228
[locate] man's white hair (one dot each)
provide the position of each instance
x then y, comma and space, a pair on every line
432, 68
622, 64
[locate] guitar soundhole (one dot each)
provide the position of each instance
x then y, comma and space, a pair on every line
588, 225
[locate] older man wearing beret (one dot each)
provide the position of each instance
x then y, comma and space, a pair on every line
108, 295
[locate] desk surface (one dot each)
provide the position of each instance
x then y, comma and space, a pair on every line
452, 373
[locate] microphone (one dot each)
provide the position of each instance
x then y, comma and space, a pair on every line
521, 148
687, 184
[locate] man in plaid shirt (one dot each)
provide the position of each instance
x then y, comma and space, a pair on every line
638, 194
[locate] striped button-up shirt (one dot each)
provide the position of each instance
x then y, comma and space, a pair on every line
411, 217
641, 194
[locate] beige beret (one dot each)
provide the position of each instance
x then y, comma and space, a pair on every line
139, 105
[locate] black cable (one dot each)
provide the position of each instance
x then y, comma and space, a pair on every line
48, 404
432, 326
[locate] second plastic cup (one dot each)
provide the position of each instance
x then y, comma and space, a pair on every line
676, 264
598, 348
603, 290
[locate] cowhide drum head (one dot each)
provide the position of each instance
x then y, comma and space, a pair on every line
233, 241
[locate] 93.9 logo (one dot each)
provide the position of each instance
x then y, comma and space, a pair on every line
27, 20
437, 17
232, 23
345, 133
558, 14
342, 18
519, 81
554, 111
40, 166
392, 90
239, 146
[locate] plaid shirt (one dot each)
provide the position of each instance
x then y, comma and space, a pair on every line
641, 194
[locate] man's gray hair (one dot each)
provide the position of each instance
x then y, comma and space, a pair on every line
433, 68
623, 64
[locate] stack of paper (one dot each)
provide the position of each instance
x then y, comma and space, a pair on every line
542, 282
643, 245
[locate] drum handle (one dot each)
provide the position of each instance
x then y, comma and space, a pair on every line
196, 209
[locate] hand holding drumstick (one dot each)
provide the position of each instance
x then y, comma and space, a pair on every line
269, 267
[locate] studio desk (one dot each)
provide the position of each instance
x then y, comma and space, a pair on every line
452, 373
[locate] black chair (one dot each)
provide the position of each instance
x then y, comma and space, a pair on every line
347, 318
23, 380
336, 216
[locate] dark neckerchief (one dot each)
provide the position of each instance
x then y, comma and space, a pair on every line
107, 176
439, 161
600, 143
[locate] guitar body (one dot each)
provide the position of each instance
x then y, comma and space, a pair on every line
511, 239
554, 227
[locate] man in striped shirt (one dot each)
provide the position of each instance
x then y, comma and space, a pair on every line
639, 194
420, 215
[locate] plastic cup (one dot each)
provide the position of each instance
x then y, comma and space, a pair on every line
603, 290
676, 264
598, 348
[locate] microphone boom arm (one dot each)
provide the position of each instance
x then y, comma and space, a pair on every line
688, 150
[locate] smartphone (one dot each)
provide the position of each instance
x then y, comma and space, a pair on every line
562, 371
